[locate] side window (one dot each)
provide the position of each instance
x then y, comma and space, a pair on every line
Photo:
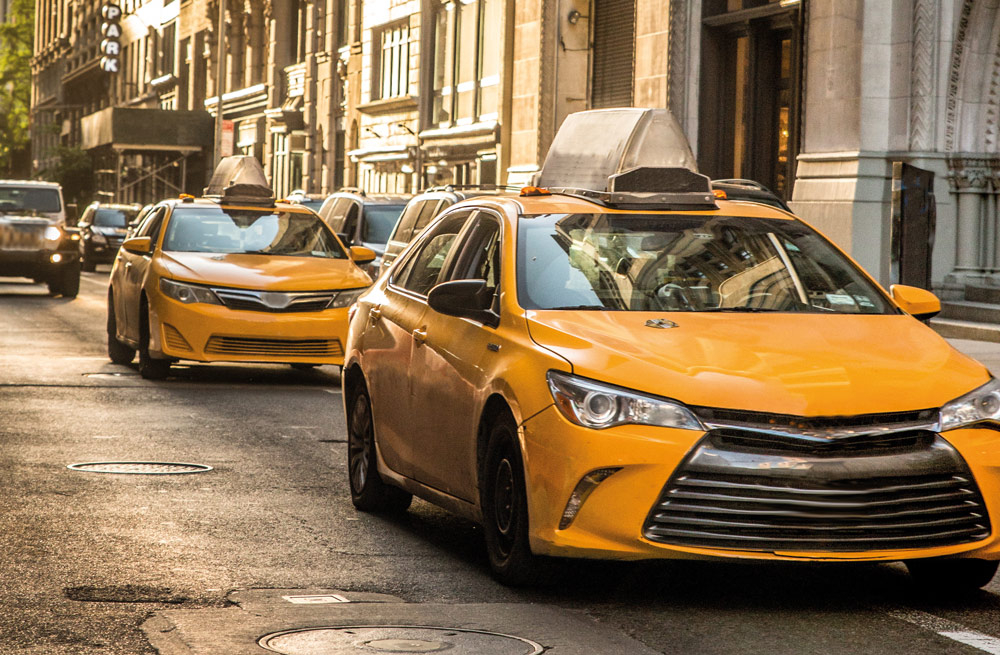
350, 225
151, 226
404, 228
479, 256
421, 270
427, 214
337, 212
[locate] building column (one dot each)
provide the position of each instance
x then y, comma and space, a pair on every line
969, 179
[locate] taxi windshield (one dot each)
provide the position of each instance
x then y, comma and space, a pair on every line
685, 263
250, 231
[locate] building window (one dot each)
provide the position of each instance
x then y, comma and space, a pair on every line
392, 66
466, 61
167, 48
613, 64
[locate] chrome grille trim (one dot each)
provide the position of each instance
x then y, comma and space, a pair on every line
758, 501
274, 301
818, 427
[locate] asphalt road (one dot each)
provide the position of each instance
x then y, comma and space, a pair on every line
202, 563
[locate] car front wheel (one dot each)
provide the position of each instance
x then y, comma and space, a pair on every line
149, 367
118, 352
952, 576
369, 492
505, 509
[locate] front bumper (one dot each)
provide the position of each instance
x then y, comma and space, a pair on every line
38, 264
216, 333
616, 520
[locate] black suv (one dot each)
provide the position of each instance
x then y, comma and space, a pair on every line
366, 220
422, 209
103, 227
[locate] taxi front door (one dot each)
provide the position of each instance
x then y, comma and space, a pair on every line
451, 366
132, 271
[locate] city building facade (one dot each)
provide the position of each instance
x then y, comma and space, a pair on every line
816, 99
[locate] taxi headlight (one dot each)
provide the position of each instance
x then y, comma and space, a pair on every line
982, 404
595, 405
345, 298
52, 233
187, 293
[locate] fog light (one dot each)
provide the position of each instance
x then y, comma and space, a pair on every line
55, 258
582, 491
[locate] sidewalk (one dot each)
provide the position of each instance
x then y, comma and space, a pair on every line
986, 352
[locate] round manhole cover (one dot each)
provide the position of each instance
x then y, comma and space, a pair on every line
353, 640
140, 468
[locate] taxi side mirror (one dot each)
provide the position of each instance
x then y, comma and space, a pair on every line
138, 245
362, 255
465, 299
919, 303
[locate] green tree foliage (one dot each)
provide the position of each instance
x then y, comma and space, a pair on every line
74, 170
16, 37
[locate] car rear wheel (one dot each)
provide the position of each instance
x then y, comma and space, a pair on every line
369, 492
505, 509
118, 352
952, 576
149, 367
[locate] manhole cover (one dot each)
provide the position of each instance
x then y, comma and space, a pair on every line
140, 468
353, 640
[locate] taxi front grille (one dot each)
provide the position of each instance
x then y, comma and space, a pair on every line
258, 347
922, 497
275, 301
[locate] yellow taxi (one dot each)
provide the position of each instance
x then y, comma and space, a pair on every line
232, 277
641, 370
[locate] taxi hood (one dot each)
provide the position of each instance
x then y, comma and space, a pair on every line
798, 364
264, 272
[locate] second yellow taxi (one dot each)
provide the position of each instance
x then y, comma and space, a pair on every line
232, 277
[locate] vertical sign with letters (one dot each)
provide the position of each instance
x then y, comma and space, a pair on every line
111, 46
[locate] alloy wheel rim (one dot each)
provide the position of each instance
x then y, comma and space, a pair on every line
503, 498
359, 449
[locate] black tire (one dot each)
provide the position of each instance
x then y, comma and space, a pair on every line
505, 509
369, 492
69, 281
952, 576
149, 368
118, 352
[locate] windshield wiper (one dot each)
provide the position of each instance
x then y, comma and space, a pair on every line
746, 310
581, 307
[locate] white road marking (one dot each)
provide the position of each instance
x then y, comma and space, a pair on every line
950, 629
333, 391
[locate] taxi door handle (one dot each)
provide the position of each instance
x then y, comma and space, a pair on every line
128, 265
420, 335
374, 314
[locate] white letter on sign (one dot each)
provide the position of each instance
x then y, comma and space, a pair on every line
112, 12
112, 48
111, 30
109, 64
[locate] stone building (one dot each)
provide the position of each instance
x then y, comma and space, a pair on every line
814, 98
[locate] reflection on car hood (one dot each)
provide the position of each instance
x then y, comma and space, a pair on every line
267, 272
805, 365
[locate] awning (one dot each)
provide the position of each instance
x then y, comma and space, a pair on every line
131, 128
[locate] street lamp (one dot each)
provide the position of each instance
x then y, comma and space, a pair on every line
220, 85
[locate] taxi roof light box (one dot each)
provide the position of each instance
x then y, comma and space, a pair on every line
240, 179
624, 157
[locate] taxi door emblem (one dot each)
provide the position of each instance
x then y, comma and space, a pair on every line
661, 323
